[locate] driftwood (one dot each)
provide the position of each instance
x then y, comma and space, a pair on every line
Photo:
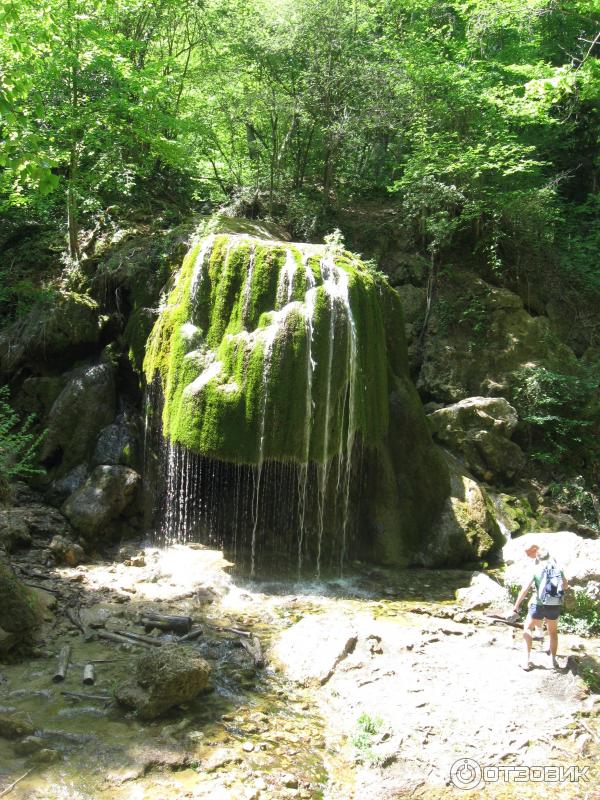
82, 696
237, 631
193, 634
14, 783
74, 618
252, 646
499, 618
120, 639
89, 677
164, 622
63, 664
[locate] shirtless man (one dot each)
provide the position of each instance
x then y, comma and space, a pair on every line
538, 613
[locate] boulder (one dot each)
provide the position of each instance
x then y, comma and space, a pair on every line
102, 498
14, 530
61, 488
66, 551
118, 443
467, 530
65, 329
483, 592
164, 678
579, 558
19, 614
83, 408
478, 431
19, 524
310, 650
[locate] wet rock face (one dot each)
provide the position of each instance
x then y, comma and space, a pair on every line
478, 431
164, 678
479, 335
103, 497
467, 529
83, 408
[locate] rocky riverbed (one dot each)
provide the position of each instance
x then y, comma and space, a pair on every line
373, 687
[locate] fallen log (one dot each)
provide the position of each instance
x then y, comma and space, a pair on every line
63, 664
237, 631
74, 618
89, 676
252, 646
165, 622
193, 634
83, 696
11, 786
120, 639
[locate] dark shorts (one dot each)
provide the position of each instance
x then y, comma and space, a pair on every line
540, 611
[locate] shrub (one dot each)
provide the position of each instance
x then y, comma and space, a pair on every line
18, 445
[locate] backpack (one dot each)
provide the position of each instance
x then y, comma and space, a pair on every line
551, 591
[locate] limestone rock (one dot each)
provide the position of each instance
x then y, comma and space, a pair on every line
579, 558
478, 430
83, 408
483, 592
164, 678
467, 530
311, 649
103, 497
66, 551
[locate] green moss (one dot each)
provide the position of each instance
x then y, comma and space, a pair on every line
227, 351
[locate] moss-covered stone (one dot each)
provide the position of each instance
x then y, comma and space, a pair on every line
268, 350
19, 614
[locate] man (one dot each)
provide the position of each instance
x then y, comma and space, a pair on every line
539, 612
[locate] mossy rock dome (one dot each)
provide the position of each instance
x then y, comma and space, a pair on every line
272, 352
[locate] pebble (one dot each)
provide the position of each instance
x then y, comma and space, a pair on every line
290, 781
248, 747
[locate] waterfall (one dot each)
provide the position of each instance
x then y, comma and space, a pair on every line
292, 502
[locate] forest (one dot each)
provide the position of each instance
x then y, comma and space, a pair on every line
299, 376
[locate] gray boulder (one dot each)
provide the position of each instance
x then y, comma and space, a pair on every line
483, 592
103, 497
61, 488
478, 431
164, 678
83, 408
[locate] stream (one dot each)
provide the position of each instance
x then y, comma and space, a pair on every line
426, 684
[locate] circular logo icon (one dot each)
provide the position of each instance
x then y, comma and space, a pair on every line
465, 774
